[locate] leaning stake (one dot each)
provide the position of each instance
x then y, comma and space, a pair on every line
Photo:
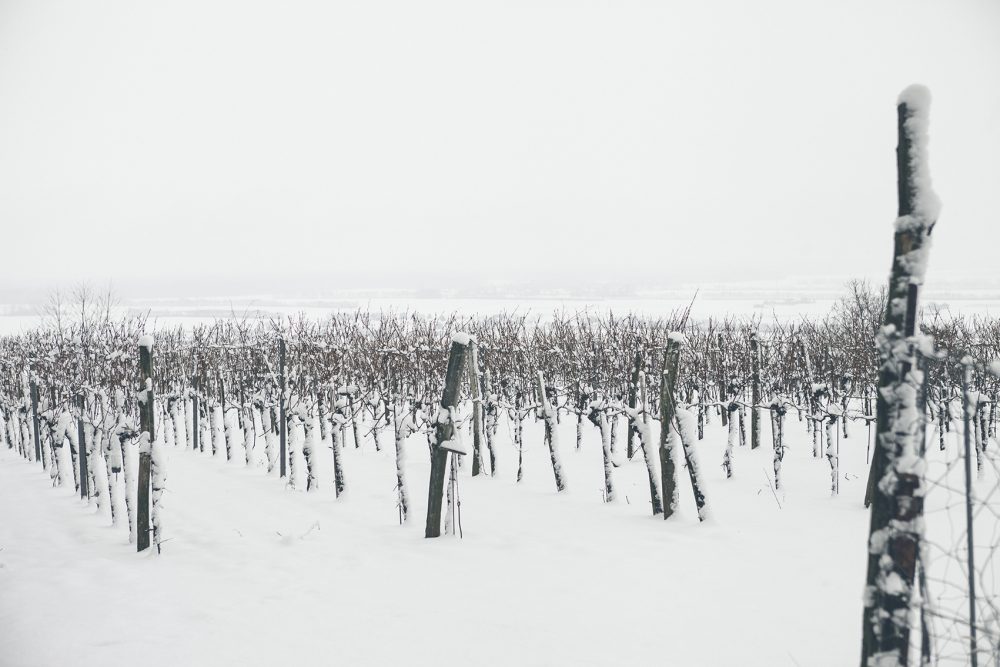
444, 432
897, 487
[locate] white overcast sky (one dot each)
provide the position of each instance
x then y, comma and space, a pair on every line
190, 140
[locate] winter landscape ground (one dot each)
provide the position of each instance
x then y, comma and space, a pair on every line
254, 573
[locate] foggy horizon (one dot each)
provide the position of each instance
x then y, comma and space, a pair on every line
290, 288
326, 143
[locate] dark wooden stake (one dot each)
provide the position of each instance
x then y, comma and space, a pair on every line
969, 544
35, 424
754, 391
146, 425
282, 426
195, 417
885, 632
82, 437
443, 433
668, 471
477, 410
632, 389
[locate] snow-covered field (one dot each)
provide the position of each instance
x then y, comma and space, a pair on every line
253, 573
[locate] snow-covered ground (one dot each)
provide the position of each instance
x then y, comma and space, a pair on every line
254, 573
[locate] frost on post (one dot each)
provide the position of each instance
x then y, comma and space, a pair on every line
599, 418
678, 431
832, 451
404, 427
443, 432
309, 447
147, 519
639, 421
687, 431
734, 435
897, 475
552, 434
338, 422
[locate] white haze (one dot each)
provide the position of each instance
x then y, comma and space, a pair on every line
222, 147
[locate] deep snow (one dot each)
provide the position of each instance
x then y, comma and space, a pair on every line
256, 574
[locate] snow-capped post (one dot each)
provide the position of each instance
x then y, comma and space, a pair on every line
35, 424
444, 432
82, 440
549, 415
146, 435
897, 489
282, 426
668, 467
754, 391
477, 409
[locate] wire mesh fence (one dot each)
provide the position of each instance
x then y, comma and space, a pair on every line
960, 576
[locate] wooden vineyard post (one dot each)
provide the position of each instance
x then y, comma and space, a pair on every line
337, 437
282, 426
754, 391
491, 421
195, 424
647, 447
969, 524
632, 389
444, 431
548, 413
147, 427
668, 470
687, 434
477, 410
723, 381
82, 438
896, 485
35, 425
226, 435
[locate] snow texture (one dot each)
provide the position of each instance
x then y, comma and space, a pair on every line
927, 206
462, 339
319, 577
